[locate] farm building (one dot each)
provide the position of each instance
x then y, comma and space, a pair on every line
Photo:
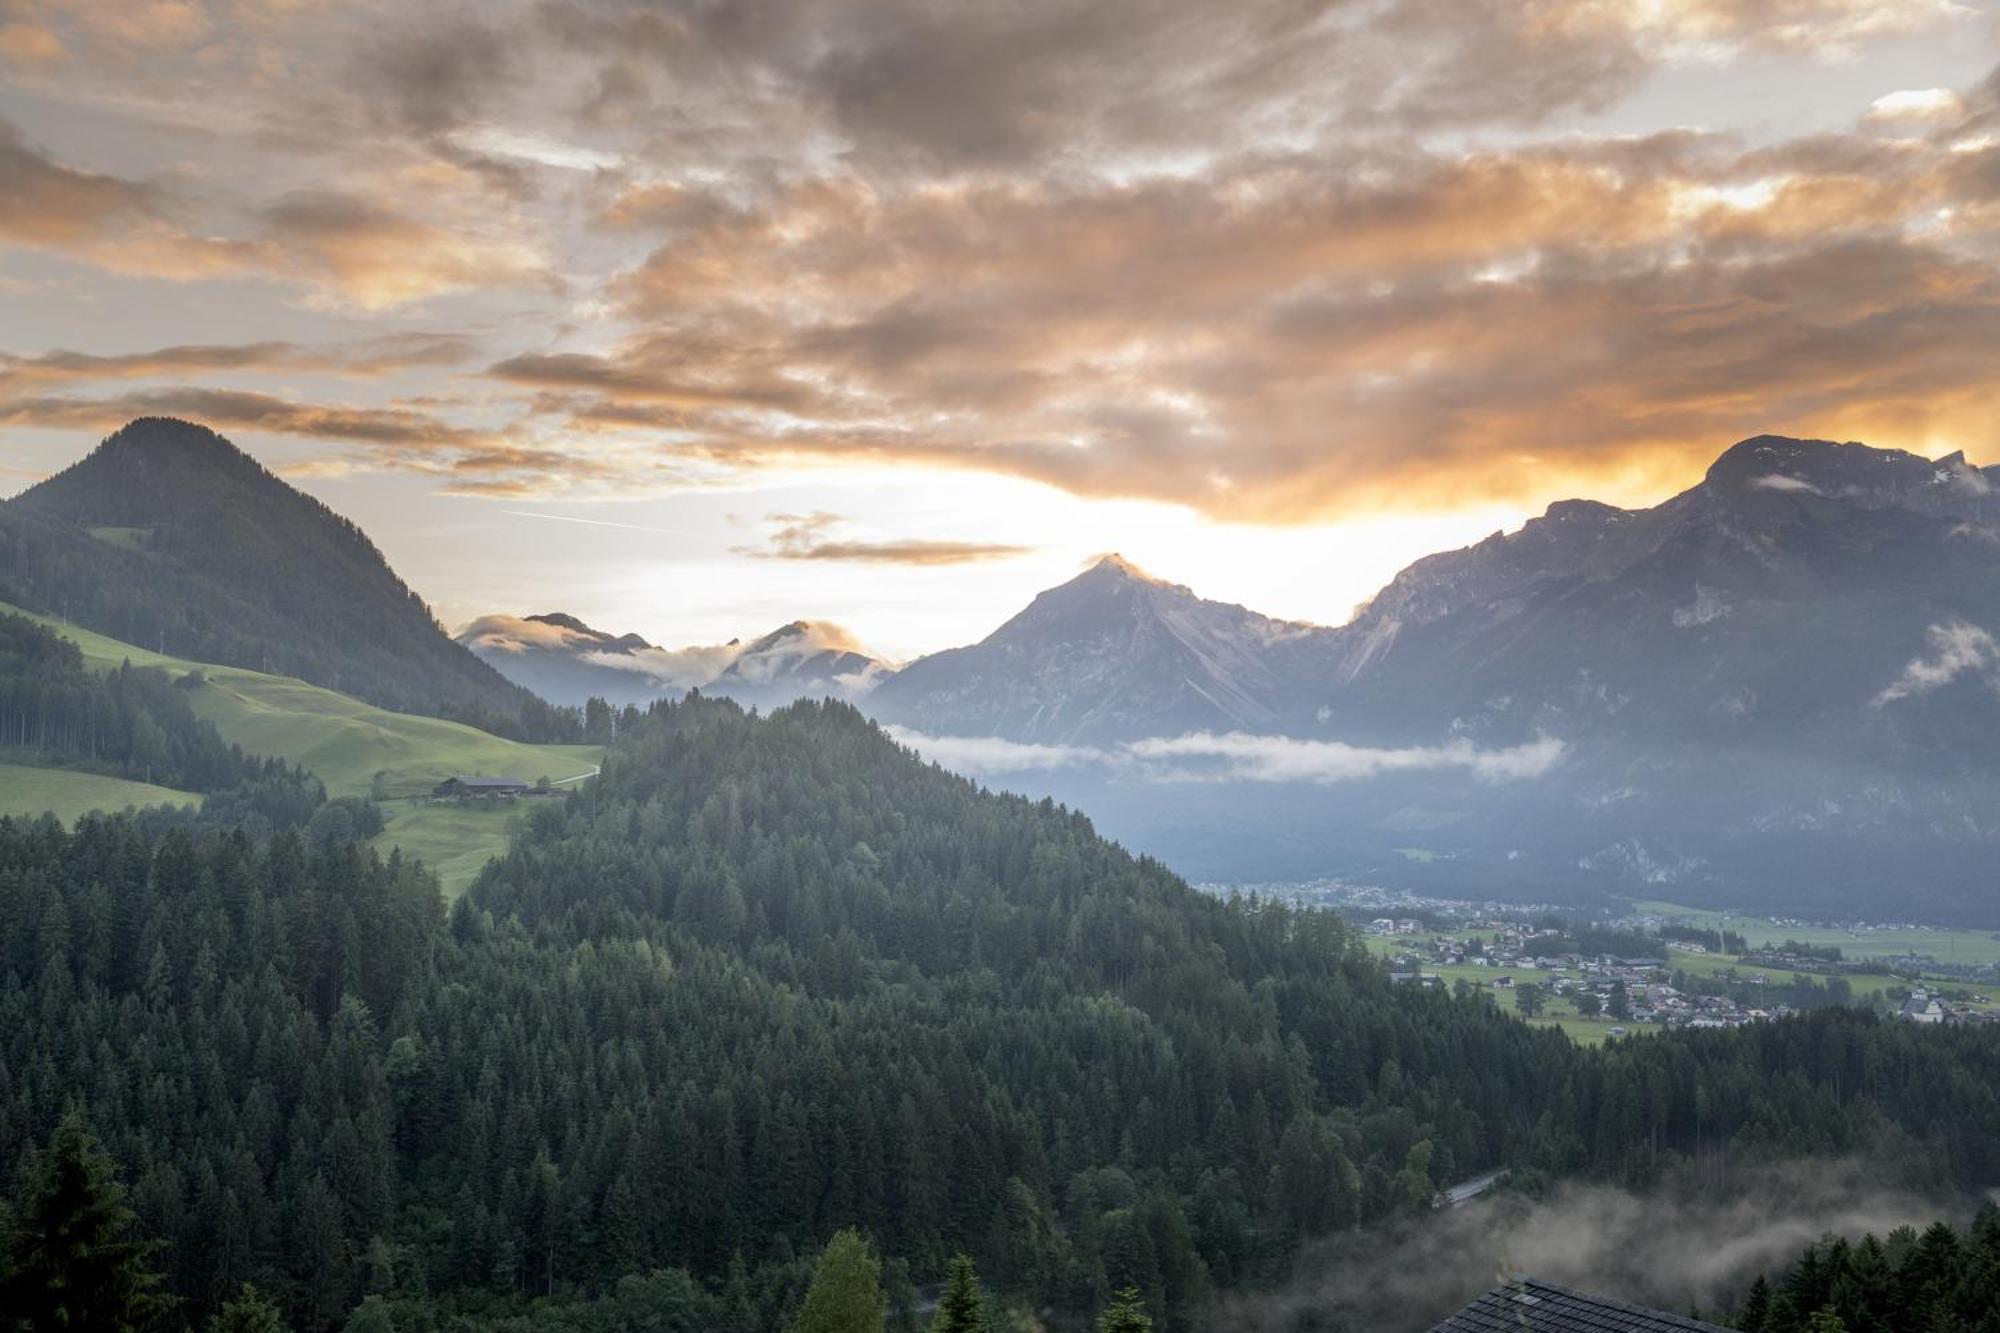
470, 786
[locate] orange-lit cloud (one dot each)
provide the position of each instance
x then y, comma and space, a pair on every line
816, 536
1275, 263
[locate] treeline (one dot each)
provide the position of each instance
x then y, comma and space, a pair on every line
1937, 1281
132, 722
1801, 991
771, 978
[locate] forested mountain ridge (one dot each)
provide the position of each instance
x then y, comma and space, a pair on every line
773, 976
168, 535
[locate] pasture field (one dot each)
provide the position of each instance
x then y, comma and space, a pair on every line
28, 790
355, 748
1945, 945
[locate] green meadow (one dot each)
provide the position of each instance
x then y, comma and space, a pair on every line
355, 748
28, 790
1947, 946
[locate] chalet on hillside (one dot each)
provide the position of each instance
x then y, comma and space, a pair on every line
1528, 1306
469, 786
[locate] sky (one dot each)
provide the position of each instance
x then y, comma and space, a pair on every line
698, 316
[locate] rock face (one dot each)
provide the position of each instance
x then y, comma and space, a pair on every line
1782, 684
1111, 655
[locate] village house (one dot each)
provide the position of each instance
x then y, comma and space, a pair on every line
1921, 1007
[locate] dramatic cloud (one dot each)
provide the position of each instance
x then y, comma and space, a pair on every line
375, 356
1955, 649
1195, 340
1276, 263
376, 256
46, 205
810, 537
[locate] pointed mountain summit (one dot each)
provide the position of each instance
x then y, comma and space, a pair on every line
1112, 654
169, 536
1783, 679
806, 659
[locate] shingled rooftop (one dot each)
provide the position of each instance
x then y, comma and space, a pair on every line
1527, 1306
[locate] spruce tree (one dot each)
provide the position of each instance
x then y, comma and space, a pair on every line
962, 1308
846, 1291
1757, 1309
248, 1313
72, 1262
1126, 1314
371, 1316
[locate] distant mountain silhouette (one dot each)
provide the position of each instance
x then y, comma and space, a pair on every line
1113, 654
566, 661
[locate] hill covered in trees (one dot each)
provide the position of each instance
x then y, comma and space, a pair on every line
1906, 1282
169, 536
772, 978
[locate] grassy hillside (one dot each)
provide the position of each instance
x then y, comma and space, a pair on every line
349, 745
28, 790
167, 534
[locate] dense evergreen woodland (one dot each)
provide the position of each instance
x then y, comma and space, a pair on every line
770, 981
1936, 1281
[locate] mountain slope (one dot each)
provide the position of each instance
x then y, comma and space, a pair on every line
1111, 655
1778, 604
169, 535
1781, 685
353, 747
567, 662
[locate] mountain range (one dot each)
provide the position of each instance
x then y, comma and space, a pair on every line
1779, 686
567, 662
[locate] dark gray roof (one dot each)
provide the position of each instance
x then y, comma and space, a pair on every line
1527, 1306
489, 782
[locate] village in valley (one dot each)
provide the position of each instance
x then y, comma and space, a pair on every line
1661, 966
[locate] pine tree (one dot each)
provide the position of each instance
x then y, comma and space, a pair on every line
71, 1261
962, 1308
846, 1291
248, 1313
1757, 1309
371, 1316
1126, 1314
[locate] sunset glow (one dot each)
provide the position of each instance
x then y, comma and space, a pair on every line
810, 314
